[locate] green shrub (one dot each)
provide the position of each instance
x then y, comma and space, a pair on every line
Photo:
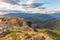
27, 35
54, 35
35, 30
35, 38
19, 30
8, 31
29, 23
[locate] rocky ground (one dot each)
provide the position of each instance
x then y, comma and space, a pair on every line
17, 29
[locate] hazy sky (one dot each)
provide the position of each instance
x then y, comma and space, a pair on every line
49, 5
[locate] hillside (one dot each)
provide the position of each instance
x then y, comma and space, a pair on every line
29, 16
16, 28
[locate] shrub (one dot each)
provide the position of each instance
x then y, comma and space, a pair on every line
8, 31
29, 23
35, 38
27, 35
19, 30
35, 30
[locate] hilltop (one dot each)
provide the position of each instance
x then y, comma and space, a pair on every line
17, 29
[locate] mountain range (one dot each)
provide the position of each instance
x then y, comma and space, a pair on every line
56, 15
30, 17
37, 17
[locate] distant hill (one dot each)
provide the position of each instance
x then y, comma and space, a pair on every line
41, 20
31, 17
56, 15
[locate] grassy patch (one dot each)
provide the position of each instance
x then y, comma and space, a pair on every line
35, 38
55, 36
19, 30
28, 36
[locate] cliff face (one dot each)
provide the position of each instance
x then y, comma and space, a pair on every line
13, 24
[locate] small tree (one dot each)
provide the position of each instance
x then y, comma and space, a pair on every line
29, 23
35, 30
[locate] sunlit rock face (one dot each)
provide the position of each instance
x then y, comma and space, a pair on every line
9, 23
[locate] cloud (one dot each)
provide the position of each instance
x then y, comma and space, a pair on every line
30, 6
7, 6
37, 4
30, 1
33, 5
13, 2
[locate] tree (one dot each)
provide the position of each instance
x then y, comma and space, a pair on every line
29, 23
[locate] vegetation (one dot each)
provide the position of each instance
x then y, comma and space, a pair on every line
28, 36
35, 38
55, 36
19, 30
7, 32
49, 28
29, 23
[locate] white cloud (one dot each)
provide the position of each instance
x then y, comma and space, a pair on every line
30, 1
12, 2
9, 6
6, 6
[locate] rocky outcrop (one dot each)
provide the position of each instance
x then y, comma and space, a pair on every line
13, 24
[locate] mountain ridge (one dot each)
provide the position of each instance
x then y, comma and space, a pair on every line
30, 16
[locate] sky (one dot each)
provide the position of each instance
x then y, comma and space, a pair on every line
50, 4
30, 6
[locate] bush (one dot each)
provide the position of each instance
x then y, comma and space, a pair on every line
27, 35
35, 38
19, 30
35, 30
8, 31
29, 23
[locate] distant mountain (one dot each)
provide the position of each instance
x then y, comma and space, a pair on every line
56, 15
40, 20
31, 17
11, 11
